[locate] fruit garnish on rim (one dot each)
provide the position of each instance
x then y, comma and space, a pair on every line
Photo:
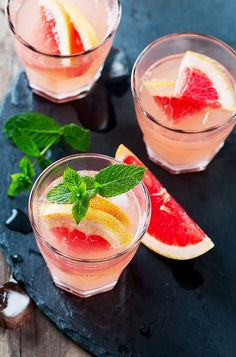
202, 84
63, 29
171, 233
80, 213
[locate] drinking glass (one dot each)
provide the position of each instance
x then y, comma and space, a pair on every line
80, 276
56, 77
179, 150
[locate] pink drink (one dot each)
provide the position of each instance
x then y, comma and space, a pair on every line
190, 142
56, 70
88, 258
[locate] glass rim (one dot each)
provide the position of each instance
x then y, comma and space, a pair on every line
137, 237
75, 55
149, 116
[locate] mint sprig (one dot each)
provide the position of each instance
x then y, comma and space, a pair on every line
34, 134
78, 190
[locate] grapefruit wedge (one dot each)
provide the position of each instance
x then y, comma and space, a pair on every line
63, 29
202, 83
172, 233
203, 79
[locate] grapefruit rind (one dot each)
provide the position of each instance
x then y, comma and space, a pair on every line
175, 252
81, 24
170, 251
214, 71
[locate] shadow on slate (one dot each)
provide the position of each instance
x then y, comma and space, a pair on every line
159, 307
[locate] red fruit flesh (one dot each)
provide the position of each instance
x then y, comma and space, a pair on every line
178, 108
169, 223
79, 241
196, 93
76, 42
49, 40
197, 86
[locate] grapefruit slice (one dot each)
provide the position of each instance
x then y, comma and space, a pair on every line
103, 219
202, 83
80, 241
203, 79
174, 108
179, 108
54, 28
63, 29
81, 24
172, 233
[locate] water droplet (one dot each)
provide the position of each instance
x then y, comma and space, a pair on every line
17, 258
18, 222
146, 331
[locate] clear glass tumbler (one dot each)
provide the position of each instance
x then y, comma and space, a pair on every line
176, 149
74, 273
62, 78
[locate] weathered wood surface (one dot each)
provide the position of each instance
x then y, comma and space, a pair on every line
38, 338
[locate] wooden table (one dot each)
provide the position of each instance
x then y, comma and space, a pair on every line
37, 338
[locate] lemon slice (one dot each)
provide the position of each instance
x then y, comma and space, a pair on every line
102, 204
160, 87
81, 24
97, 221
62, 28
214, 72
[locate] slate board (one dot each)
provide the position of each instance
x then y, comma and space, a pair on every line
159, 307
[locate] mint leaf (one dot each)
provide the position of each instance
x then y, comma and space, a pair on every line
77, 137
35, 134
45, 141
20, 183
89, 181
44, 163
80, 208
71, 178
25, 143
119, 178
91, 185
32, 123
111, 181
26, 167
59, 194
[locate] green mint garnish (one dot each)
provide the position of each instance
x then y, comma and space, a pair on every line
78, 190
23, 180
34, 134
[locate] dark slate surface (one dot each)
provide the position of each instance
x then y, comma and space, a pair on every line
159, 307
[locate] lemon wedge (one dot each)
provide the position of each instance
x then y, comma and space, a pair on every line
160, 87
111, 226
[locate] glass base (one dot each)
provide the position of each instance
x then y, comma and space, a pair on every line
184, 168
84, 293
64, 97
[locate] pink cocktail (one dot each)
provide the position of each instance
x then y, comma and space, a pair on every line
88, 258
184, 94
63, 44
